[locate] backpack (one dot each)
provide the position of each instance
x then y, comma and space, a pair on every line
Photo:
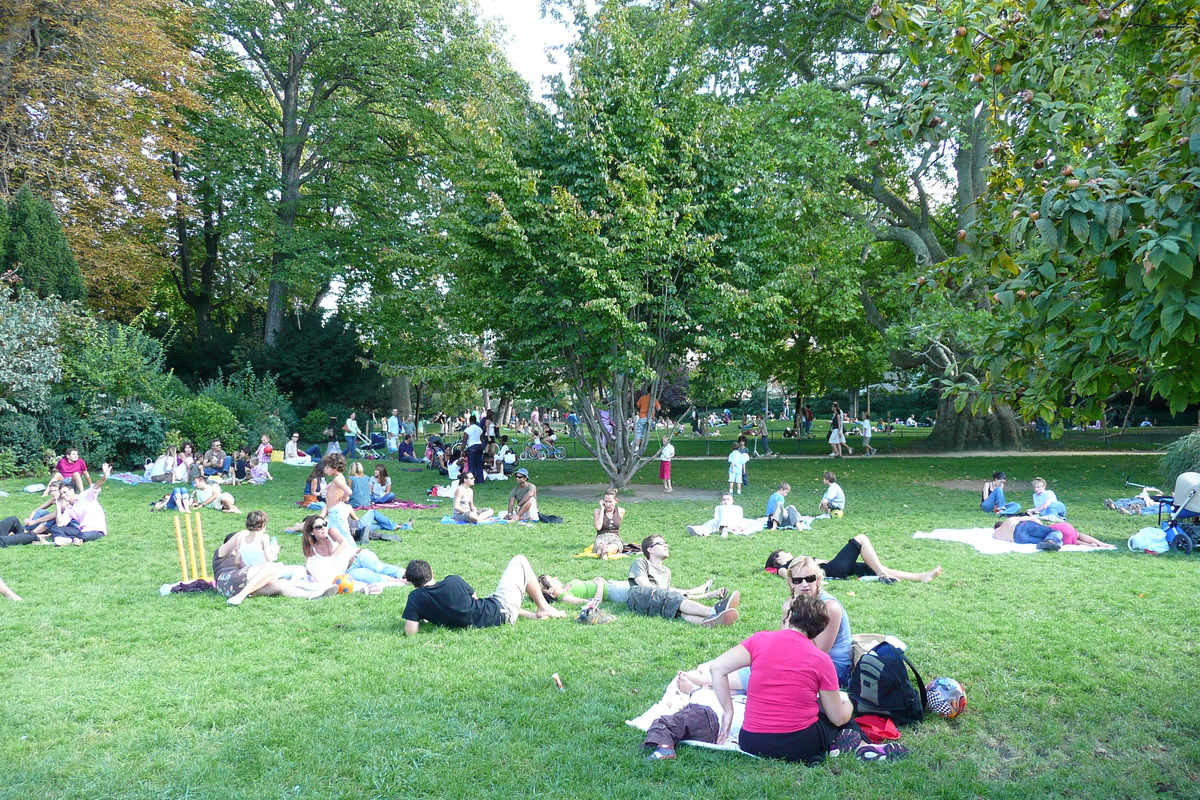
879, 685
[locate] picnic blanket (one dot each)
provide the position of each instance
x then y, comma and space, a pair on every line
981, 539
401, 504
132, 478
673, 700
450, 520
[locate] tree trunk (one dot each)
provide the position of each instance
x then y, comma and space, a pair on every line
401, 393
957, 431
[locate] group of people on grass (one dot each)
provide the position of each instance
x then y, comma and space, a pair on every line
1043, 524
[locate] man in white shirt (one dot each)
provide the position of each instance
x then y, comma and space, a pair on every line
392, 424
473, 441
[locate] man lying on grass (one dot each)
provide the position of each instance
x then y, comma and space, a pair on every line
452, 602
650, 591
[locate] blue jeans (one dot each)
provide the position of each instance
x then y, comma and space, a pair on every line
351, 446
995, 503
1034, 532
314, 452
371, 520
1055, 509
409, 460
367, 568
226, 465
390, 497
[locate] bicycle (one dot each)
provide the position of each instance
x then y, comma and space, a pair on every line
540, 452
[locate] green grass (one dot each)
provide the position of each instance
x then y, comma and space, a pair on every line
1081, 669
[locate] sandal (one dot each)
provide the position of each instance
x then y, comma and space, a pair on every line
721, 593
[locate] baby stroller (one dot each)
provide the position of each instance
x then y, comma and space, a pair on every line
372, 444
1183, 524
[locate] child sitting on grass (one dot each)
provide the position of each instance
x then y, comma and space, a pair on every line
834, 498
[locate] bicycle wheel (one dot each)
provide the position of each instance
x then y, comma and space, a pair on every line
541, 454
560, 452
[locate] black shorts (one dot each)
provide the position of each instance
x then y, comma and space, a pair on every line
807, 746
846, 564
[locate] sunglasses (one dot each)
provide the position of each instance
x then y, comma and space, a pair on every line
320, 527
798, 580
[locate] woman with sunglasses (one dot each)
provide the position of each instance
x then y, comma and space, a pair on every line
806, 579
846, 564
328, 554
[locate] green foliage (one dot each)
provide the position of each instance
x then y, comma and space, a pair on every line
257, 403
129, 433
21, 439
200, 420
1183, 455
8, 460
30, 357
37, 249
313, 425
1087, 228
316, 362
105, 362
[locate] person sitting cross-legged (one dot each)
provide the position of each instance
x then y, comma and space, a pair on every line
727, 518
452, 602
522, 500
993, 496
650, 591
79, 517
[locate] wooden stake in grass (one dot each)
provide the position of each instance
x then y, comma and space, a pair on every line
187, 522
182, 558
203, 552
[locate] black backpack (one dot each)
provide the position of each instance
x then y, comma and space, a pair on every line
879, 685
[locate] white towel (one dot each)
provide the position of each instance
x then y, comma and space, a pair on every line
981, 539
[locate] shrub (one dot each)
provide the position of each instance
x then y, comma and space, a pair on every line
1183, 455
131, 432
256, 402
312, 427
200, 420
8, 464
19, 435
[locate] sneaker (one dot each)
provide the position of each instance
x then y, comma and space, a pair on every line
661, 753
848, 739
888, 580
1110, 504
730, 600
1048, 544
891, 751
726, 617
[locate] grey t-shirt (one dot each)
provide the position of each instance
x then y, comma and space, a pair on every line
660, 576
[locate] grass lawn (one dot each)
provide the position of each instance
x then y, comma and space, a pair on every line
1081, 669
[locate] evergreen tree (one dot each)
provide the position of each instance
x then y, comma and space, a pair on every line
37, 248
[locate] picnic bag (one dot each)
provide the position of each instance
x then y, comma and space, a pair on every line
879, 685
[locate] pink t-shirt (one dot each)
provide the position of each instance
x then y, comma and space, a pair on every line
67, 468
786, 672
1069, 534
87, 511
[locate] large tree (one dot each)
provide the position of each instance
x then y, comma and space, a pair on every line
1087, 215
342, 91
91, 98
590, 232
761, 48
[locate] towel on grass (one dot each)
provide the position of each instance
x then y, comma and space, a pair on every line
588, 552
450, 520
981, 539
673, 700
401, 504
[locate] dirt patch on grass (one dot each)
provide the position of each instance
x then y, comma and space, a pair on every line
977, 486
634, 493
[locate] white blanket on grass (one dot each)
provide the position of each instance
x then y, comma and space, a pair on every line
981, 539
673, 700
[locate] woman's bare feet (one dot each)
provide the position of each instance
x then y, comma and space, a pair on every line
550, 613
926, 577
685, 684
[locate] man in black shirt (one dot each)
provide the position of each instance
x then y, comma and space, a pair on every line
452, 602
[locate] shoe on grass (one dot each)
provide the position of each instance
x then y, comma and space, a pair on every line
1048, 544
695, 531
728, 601
726, 617
661, 754
888, 580
891, 751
